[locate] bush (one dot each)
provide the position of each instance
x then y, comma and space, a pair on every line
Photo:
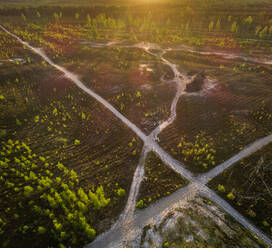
231, 196
28, 190
140, 204
221, 188
41, 230
121, 192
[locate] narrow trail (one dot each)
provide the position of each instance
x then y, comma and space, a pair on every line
75, 79
250, 149
181, 81
152, 145
134, 190
229, 56
130, 234
208, 193
129, 228
108, 239
126, 218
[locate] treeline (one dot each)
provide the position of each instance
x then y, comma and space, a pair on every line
51, 26
176, 13
155, 21
199, 3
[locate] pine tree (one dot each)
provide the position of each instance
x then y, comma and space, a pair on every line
248, 20
89, 20
218, 25
211, 25
76, 15
234, 27
263, 33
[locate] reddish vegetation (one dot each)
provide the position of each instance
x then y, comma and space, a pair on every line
228, 42
107, 77
223, 96
63, 37
139, 78
55, 83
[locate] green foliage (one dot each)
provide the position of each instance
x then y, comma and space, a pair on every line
82, 207
77, 15
248, 20
140, 204
264, 33
231, 196
37, 118
138, 94
234, 27
121, 192
38, 14
83, 116
82, 195
89, 20
202, 150
57, 16
55, 112
218, 25
221, 188
265, 223
28, 190
165, 244
41, 230
49, 192
258, 29
23, 16
90, 232
97, 199
211, 25
18, 122
251, 213
3, 132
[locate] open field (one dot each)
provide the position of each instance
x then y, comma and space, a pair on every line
135, 125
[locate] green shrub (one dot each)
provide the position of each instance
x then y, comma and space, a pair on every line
121, 192
231, 196
140, 204
41, 230
165, 244
221, 188
28, 190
